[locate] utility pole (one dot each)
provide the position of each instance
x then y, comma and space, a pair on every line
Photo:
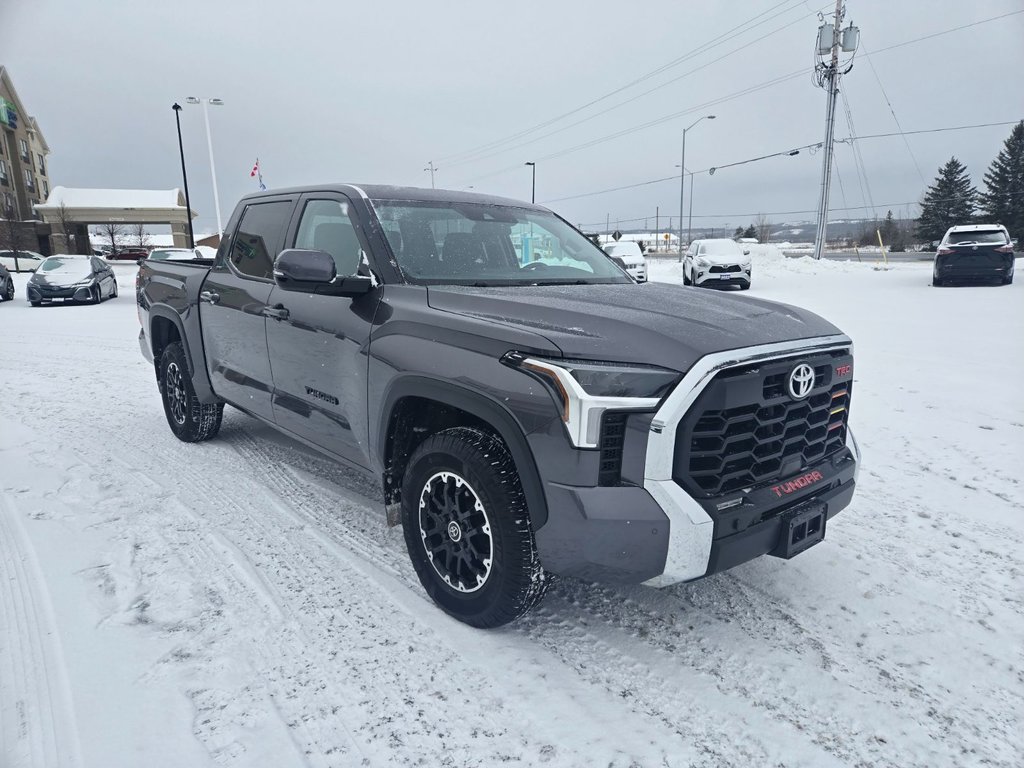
657, 229
827, 73
430, 167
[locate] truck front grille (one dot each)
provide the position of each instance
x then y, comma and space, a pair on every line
745, 430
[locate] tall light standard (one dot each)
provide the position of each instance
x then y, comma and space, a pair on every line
533, 186
682, 179
209, 145
184, 177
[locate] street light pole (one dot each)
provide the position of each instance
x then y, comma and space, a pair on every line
533, 185
184, 177
689, 220
682, 179
209, 145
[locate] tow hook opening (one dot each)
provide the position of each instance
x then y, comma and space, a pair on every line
801, 529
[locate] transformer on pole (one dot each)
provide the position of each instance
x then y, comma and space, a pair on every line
831, 41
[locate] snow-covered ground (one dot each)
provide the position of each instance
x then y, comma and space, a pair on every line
240, 602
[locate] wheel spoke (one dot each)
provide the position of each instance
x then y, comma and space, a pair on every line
456, 532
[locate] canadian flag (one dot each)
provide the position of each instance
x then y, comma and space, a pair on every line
255, 169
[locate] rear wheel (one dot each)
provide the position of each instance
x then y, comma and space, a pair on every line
9, 291
189, 419
468, 530
113, 290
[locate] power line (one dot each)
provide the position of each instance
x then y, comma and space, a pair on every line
847, 140
703, 48
887, 206
473, 157
893, 113
738, 94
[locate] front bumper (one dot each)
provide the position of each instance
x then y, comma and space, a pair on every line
42, 293
648, 528
704, 276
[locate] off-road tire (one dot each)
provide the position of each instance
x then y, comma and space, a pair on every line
189, 420
515, 581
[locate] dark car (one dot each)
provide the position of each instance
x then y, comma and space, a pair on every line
974, 252
6, 284
132, 253
71, 278
523, 416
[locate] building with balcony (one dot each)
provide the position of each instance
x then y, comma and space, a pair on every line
24, 171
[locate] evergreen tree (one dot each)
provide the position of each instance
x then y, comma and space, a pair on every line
738, 232
888, 229
950, 200
1003, 199
750, 231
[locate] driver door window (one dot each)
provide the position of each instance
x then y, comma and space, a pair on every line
328, 225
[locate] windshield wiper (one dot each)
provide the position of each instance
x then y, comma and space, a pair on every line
561, 282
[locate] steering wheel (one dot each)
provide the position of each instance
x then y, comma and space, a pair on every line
533, 265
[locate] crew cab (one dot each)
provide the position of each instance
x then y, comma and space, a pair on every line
524, 416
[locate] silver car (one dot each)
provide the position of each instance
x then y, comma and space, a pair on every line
21, 261
71, 278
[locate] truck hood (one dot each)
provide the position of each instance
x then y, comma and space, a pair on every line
654, 323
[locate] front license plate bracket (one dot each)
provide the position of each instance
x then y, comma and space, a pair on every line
801, 529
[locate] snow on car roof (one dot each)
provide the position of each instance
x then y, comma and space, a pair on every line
974, 227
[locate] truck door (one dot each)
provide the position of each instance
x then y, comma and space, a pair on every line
319, 345
231, 304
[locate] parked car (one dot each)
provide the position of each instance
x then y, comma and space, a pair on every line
717, 261
6, 284
132, 253
972, 252
521, 418
630, 257
71, 278
21, 261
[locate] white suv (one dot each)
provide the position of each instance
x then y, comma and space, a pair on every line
629, 255
716, 262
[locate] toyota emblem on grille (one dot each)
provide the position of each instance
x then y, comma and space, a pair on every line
801, 381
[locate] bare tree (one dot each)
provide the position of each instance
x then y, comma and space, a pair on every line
11, 237
763, 225
112, 232
66, 221
138, 235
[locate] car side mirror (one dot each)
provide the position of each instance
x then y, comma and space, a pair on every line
140, 260
309, 271
746, 251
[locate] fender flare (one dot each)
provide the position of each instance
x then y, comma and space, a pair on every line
197, 368
484, 408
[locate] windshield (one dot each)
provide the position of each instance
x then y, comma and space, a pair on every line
477, 244
982, 236
720, 248
57, 264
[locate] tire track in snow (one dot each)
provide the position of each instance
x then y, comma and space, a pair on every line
37, 715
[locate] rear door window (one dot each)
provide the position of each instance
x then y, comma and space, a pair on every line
259, 238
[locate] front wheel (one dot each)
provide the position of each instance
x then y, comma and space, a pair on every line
113, 290
468, 530
189, 419
9, 291
686, 277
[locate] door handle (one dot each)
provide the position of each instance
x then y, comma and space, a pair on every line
209, 297
278, 312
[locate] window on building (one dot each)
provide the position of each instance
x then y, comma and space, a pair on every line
259, 238
46, 189
24, 150
3, 172
30, 181
42, 164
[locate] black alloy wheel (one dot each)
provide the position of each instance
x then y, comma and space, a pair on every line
467, 528
190, 420
9, 290
456, 532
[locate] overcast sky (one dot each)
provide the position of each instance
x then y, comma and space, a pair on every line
370, 92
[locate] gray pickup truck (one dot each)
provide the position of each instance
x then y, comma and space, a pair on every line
528, 408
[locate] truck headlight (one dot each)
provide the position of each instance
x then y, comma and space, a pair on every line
585, 389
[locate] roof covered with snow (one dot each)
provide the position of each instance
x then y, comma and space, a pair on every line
123, 199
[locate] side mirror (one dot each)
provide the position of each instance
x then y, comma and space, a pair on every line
140, 260
746, 251
307, 271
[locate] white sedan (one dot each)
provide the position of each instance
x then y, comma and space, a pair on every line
716, 262
21, 261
